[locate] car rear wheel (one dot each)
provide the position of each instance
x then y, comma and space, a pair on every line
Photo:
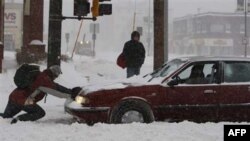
132, 111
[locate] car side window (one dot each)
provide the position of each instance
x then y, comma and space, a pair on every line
236, 72
200, 73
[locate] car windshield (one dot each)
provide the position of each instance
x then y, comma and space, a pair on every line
168, 68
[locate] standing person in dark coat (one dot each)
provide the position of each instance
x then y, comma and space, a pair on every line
134, 54
21, 100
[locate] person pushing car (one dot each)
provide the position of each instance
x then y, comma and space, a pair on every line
25, 99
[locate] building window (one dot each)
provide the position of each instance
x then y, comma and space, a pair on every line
228, 28
217, 28
189, 27
242, 28
198, 27
203, 28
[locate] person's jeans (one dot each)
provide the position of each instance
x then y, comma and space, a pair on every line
33, 112
133, 71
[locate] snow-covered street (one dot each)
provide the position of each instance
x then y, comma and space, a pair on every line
58, 126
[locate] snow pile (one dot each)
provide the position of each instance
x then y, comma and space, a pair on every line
36, 42
121, 83
50, 131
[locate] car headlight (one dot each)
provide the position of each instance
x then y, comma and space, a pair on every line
81, 100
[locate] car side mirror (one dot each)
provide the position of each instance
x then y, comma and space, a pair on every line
173, 82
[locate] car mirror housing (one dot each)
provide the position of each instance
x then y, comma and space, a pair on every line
173, 82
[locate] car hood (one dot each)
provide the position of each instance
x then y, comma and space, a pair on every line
119, 84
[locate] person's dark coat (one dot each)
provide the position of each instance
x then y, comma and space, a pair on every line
134, 53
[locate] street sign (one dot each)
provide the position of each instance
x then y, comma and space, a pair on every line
245, 41
94, 37
140, 30
94, 28
67, 37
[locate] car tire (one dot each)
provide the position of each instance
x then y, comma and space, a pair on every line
132, 105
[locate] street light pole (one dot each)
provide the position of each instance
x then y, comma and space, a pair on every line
55, 31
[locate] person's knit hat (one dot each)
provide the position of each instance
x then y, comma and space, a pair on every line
56, 70
135, 34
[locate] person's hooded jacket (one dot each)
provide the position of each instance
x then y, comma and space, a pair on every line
134, 52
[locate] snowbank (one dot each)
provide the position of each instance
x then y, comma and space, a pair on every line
53, 131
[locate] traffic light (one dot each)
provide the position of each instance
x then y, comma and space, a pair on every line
105, 9
81, 7
101, 9
95, 8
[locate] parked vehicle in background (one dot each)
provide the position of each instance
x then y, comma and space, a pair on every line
84, 48
195, 88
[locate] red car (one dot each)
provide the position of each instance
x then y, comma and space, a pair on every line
195, 88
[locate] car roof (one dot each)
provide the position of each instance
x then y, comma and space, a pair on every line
213, 58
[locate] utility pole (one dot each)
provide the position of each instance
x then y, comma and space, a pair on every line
149, 25
165, 30
55, 29
245, 40
159, 32
1, 33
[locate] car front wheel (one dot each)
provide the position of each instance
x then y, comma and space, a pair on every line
132, 111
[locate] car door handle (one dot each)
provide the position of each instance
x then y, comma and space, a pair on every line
209, 92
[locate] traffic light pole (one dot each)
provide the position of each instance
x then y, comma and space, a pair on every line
60, 18
78, 18
55, 30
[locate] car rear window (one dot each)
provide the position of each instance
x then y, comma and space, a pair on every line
237, 72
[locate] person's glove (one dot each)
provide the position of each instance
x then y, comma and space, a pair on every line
75, 91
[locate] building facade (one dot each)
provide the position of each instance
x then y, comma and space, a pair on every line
13, 26
210, 34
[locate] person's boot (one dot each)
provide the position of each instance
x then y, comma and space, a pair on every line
14, 120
